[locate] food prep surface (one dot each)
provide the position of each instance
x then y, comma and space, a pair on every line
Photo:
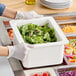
61, 19
69, 53
20, 5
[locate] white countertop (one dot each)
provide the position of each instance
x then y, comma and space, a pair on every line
5, 68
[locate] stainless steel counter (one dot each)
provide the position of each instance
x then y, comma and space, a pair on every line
19, 73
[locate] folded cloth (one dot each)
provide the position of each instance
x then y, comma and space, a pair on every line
27, 15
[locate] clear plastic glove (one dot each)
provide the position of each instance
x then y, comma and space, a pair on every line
19, 51
27, 15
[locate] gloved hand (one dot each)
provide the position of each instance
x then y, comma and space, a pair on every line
27, 15
19, 51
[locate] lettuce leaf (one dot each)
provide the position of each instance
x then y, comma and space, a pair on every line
35, 34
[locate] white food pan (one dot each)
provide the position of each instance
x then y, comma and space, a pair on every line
42, 54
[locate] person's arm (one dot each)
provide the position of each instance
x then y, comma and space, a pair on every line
4, 51
9, 13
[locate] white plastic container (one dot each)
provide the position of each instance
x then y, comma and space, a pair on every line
42, 54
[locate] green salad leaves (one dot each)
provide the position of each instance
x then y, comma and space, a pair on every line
35, 34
